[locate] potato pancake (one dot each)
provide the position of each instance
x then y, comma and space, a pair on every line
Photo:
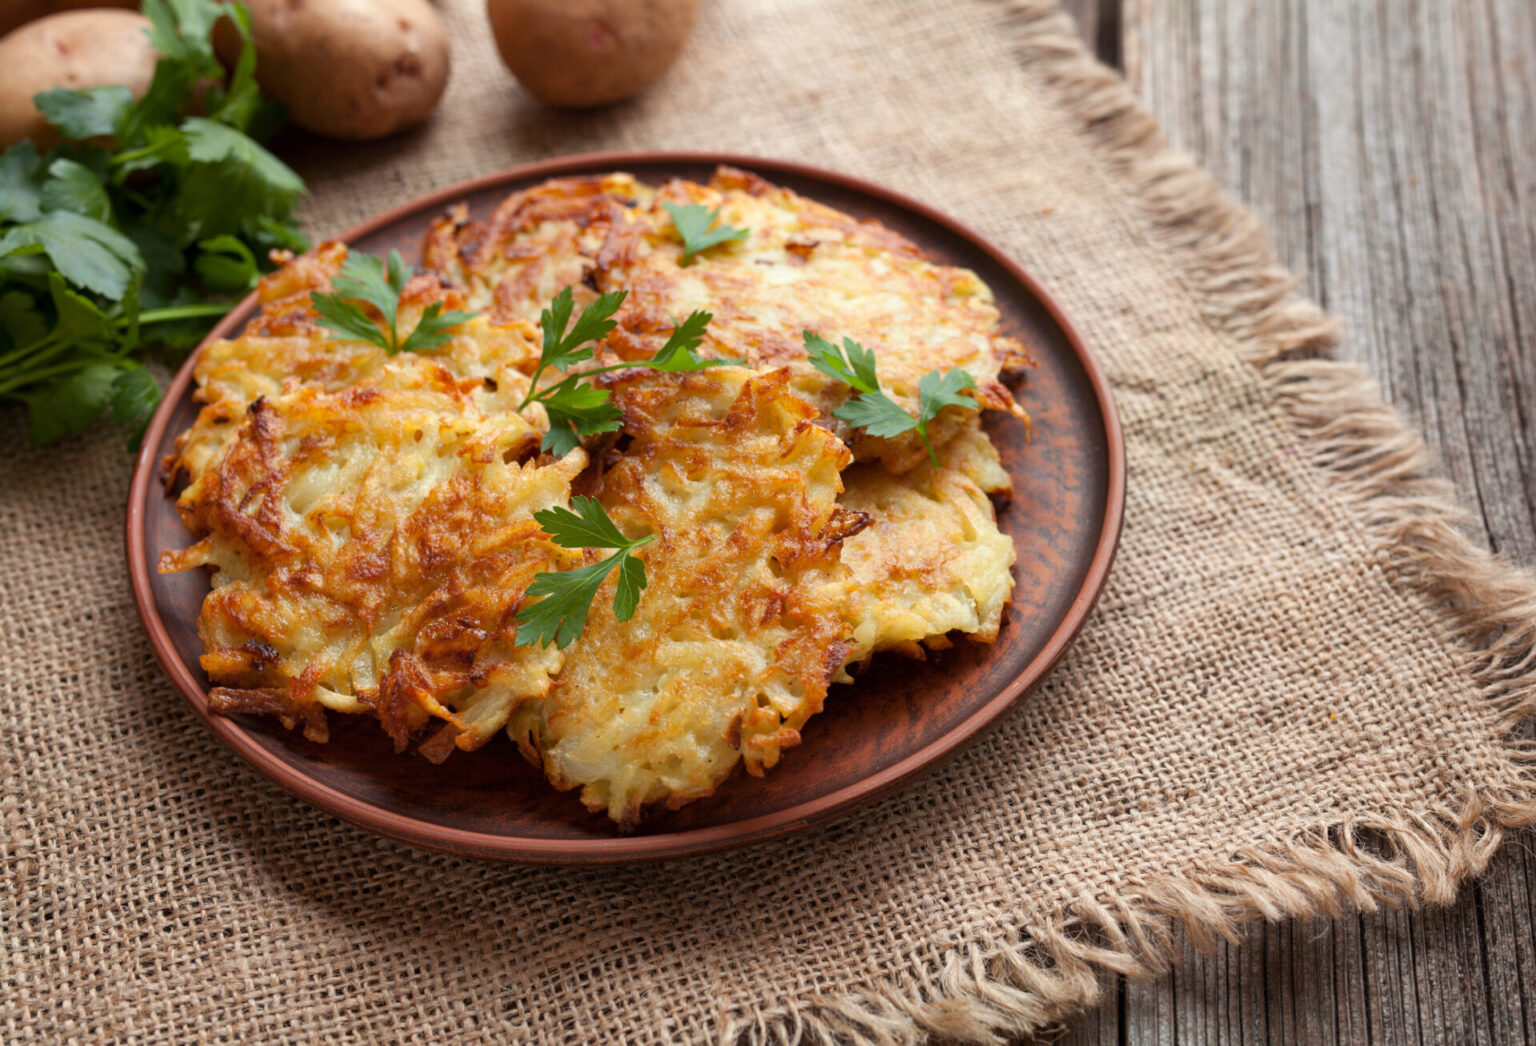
802, 266
370, 524
369, 515
737, 637
932, 561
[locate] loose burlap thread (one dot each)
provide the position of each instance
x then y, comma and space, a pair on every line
1300, 690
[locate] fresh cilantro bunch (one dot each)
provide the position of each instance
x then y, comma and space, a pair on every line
109, 250
695, 223
567, 595
575, 407
874, 411
363, 278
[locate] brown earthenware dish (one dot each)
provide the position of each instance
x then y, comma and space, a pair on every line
901, 719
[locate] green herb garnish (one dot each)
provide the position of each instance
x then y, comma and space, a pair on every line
561, 614
364, 278
694, 223
575, 407
871, 409
107, 251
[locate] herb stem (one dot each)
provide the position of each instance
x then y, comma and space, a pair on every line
17, 355
130, 155
31, 357
922, 431
181, 312
9, 387
538, 396
532, 397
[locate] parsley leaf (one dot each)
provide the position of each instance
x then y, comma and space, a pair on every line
86, 252
75, 187
364, 278
576, 409
853, 365
70, 402
433, 327
936, 391
188, 69
680, 353
79, 318
587, 527
561, 350
693, 223
561, 614
86, 113
228, 175
871, 409
134, 398
182, 29
226, 264
107, 246
21, 198
347, 321
877, 414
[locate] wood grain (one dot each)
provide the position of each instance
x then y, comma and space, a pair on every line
1387, 145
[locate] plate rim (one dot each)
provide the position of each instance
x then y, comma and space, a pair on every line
664, 845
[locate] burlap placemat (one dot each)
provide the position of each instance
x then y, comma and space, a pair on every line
1298, 691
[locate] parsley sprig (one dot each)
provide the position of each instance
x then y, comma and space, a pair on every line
561, 614
574, 406
364, 278
107, 252
695, 223
871, 409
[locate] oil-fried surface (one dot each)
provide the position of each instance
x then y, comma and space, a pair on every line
803, 266
932, 561
738, 634
369, 518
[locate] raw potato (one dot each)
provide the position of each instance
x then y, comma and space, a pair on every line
581, 53
19, 12
70, 49
347, 68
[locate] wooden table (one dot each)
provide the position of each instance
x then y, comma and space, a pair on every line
1390, 147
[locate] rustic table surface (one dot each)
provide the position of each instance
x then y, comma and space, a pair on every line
1390, 147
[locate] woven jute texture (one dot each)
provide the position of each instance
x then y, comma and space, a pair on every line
1298, 692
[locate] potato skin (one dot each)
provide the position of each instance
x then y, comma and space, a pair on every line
70, 49
15, 13
582, 53
353, 69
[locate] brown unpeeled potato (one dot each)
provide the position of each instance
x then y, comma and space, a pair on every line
19, 12
580, 53
72, 49
347, 68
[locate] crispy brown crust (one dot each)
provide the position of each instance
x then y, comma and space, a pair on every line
223, 700
369, 517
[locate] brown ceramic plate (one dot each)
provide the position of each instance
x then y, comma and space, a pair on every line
901, 719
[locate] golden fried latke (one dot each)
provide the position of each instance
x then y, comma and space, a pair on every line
737, 637
803, 266
932, 560
369, 518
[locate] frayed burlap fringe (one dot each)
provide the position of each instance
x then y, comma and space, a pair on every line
993, 991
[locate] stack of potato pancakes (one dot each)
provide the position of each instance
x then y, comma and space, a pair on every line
369, 517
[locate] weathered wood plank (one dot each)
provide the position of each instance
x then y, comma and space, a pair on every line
1387, 145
